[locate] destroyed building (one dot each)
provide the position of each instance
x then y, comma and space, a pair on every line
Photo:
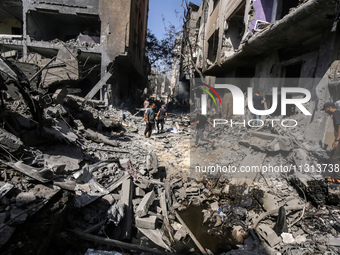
159, 86
79, 177
79, 44
269, 39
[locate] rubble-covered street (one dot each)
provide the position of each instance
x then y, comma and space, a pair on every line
86, 177
83, 83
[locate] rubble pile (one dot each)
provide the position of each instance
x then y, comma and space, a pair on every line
290, 211
78, 177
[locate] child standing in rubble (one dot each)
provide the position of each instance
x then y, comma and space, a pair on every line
201, 121
150, 120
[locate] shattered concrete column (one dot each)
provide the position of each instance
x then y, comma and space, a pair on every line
127, 189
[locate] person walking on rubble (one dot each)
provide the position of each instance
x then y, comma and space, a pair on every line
150, 120
331, 109
160, 118
146, 103
201, 121
258, 103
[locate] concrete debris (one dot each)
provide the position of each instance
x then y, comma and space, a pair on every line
116, 212
269, 235
146, 222
180, 234
87, 171
24, 198
98, 138
42, 175
5, 188
143, 207
266, 142
99, 252
152, 162
10, 142
287, 238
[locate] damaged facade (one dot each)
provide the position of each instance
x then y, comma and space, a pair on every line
79, 44
269, 39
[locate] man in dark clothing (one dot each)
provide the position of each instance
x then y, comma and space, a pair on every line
150, 120
258, 102
170, 105
201, 121
331, 109
161, 116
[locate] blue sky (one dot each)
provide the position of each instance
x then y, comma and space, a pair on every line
168, 9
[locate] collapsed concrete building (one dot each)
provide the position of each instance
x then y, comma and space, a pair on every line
270, 39
79, 44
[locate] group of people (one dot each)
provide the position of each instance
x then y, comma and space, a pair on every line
151, 117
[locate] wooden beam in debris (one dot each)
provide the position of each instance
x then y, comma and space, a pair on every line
115, 243
199, 246
98, 86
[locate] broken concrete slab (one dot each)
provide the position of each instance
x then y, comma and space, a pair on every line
10, 142
59, 95
24, 198
98, 138
126, 199
9, 54
139, 192
61, 131
57, 167
42, 175
59, 70
152, 162
333, 241
267, 142
143, 207
180, 234
214, 206
155, 236
65, 184
5, 188
146, 222
268, 234
109, 198
270, 202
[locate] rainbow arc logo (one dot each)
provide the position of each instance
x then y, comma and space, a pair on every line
209, 93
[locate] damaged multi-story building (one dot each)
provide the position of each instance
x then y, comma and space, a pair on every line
270, 39
95, 47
